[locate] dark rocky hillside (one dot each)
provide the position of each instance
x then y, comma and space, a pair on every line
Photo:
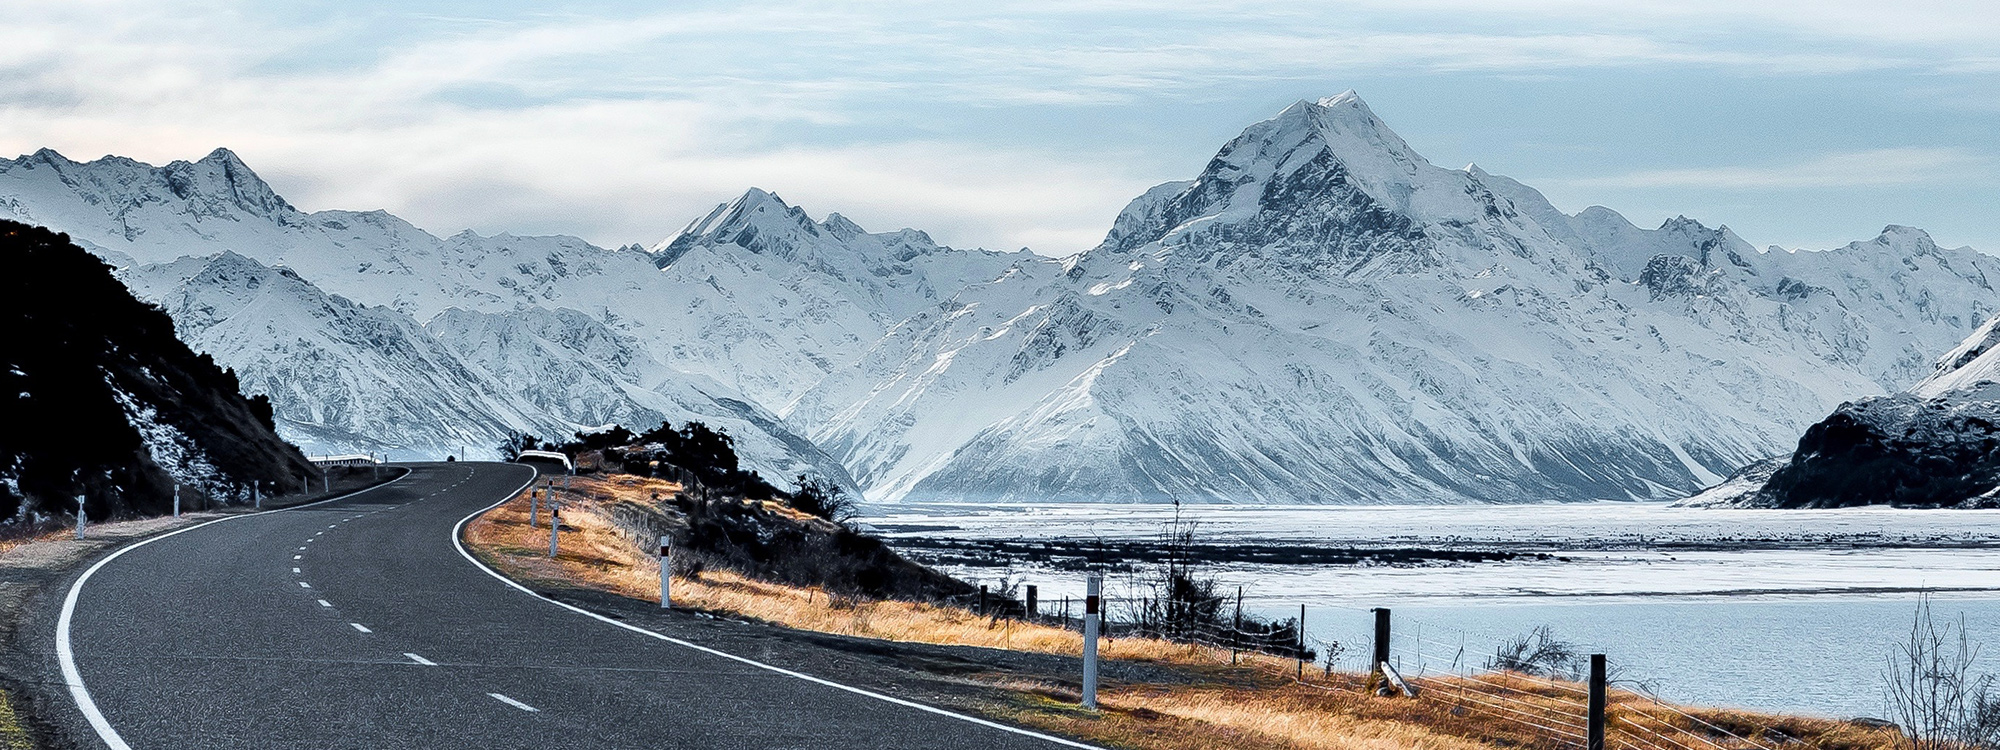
100, 398
1897, 450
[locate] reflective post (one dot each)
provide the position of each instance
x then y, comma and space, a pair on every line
1092, 614
555, 526
177, 499
666, 572
82, 518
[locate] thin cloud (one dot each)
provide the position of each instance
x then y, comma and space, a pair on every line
619, 129
1872, 168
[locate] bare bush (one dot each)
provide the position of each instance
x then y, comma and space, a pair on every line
1934, 694
1540, 653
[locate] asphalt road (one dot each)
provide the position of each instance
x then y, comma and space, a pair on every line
359, 624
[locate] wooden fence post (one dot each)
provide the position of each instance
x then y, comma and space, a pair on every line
1381, 656
1595, 740
1302, 642
1236, 628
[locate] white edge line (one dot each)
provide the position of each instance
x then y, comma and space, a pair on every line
361, 627
512, 702
456, 542
74, 678
420, 660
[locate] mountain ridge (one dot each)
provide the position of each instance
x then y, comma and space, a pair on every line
1321, 315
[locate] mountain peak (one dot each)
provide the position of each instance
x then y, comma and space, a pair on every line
222, 176
222, 155
1303, 156
1346, 99
758, 221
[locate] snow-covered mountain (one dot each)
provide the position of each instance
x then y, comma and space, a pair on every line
344, 376
1324, 316
539, 333
773, 301
1321, 315
1936, 444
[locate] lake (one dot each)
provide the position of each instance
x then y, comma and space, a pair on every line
1791, 611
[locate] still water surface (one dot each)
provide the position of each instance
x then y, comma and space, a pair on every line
1792, 611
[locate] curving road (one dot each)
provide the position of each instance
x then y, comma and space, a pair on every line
359, 623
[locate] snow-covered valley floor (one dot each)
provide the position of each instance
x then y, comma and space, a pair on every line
1781, 610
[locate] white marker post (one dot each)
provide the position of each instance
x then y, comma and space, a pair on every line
534, 507
177, 499
555, 527
1093, 598
257, 493
666, 572
82, 518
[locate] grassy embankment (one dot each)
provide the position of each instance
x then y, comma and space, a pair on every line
1209, 702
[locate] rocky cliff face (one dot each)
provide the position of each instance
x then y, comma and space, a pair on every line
102, 400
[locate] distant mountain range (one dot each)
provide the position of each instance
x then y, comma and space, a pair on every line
1320, 316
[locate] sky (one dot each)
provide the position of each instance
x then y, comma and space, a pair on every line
1006, 124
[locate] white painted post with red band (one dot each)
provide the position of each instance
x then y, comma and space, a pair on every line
1093, 613
82, 518
534, 507
666, 572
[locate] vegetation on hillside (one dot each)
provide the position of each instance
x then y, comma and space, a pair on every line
94, 381
701, 456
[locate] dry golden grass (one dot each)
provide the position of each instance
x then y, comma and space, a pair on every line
596, 555
39, 534
1256, 703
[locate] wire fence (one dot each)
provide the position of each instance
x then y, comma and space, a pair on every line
1534, 691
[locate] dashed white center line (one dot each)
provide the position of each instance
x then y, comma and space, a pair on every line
302, 549
295, 570
361, 627
298, 557
330, 527
512, 702
304, 585
325, 603
421, 660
